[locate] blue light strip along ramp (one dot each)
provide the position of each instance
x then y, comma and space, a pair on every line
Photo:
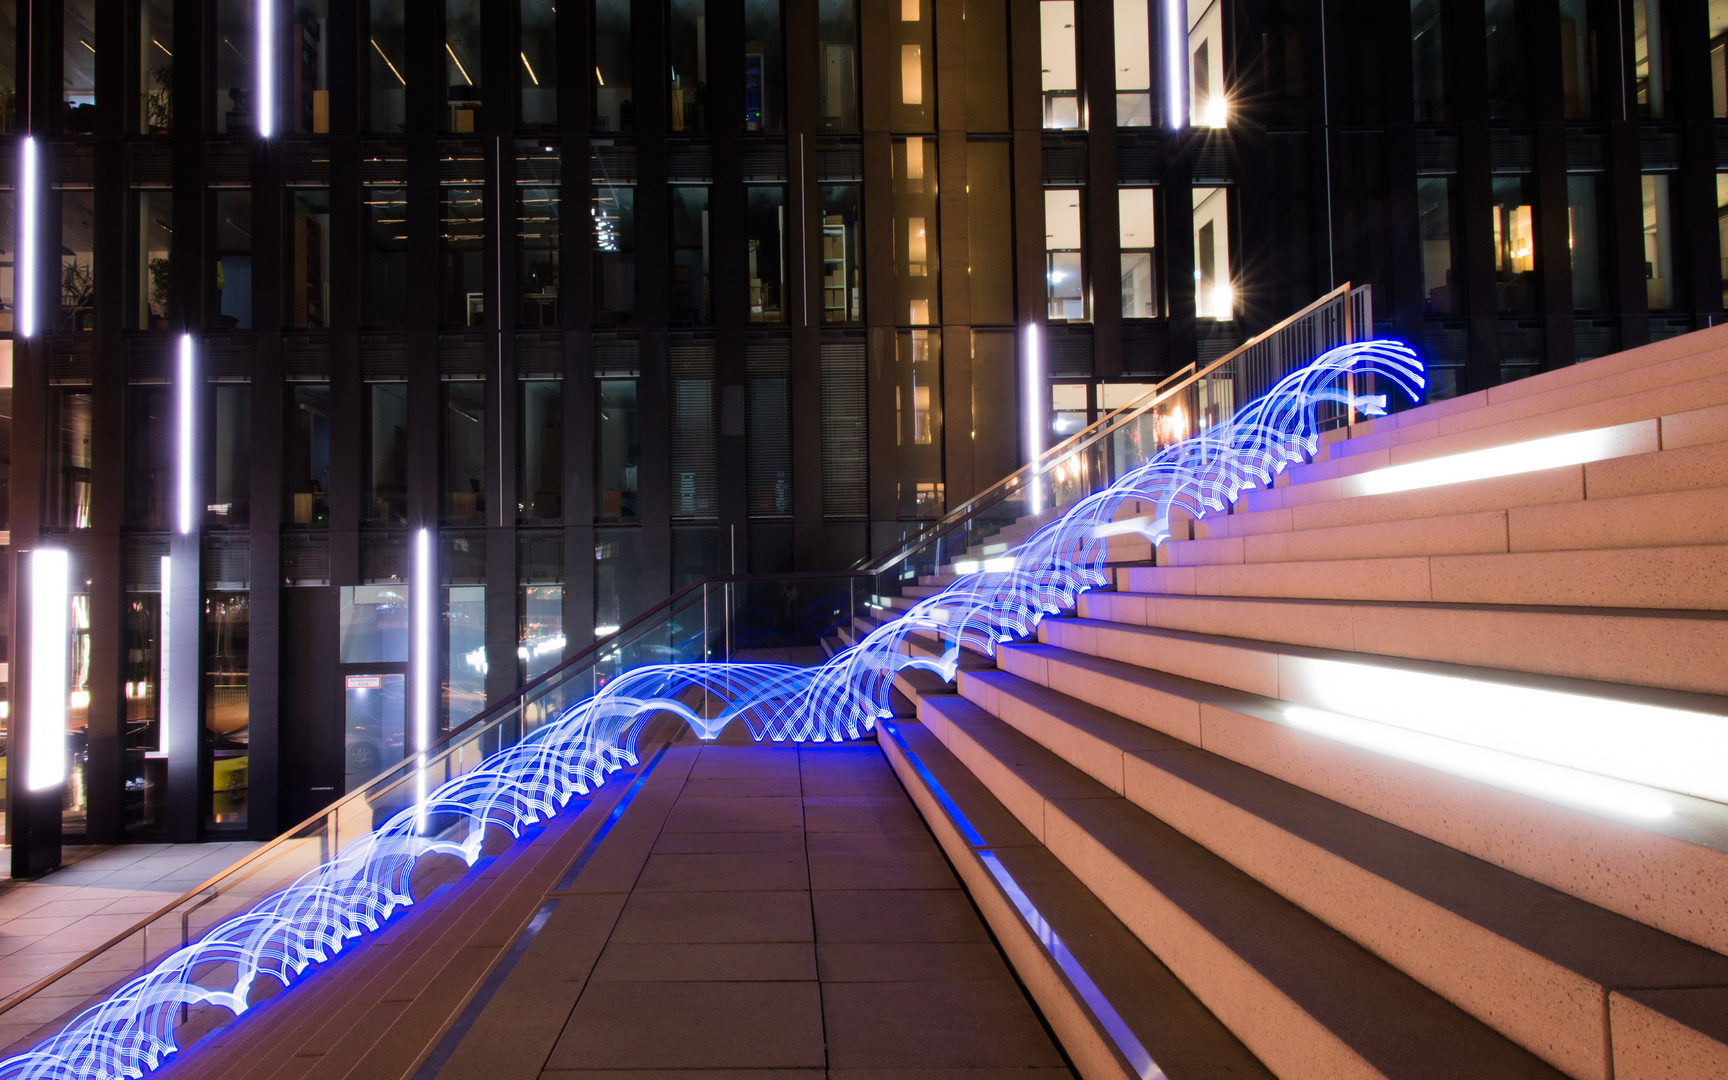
285, 935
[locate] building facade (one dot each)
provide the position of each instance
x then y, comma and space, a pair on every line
613, 295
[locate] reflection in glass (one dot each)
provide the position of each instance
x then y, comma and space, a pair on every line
837, 29
464, 652
77, 260
540, 632
228, 465
146, 773
1434, 227
613, 109
1578, 53
619, 449
765, 234
537, 49
235, 67
764, 66
540, 476
614, 252
461, 64
687, 66
1649, 58
617, 579
464, 451
1514, 246
374, 623
1658, 245
75, 802
1063, 264
690, 257
842, 274
227, 728
70, 485
537, 228
374, 725
386, 68
386, 407
309, 259
232, 280
1061, 77
155, 112
155, 218
78, 65
918, 423
306, 459
1428, 56
1214, 291
1505, 67
1133, 64
309, 67
1135, 208
149, 456
912, 107
917, 248
1588, 230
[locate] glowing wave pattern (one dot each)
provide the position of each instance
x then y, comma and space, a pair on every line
356, 892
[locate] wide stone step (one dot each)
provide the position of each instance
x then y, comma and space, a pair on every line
1680, 578
1530, 961
1676, 650
1301, 996
1670, 872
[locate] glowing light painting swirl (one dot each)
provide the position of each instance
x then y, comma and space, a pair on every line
357, 891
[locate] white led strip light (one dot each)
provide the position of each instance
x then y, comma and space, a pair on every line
49, 604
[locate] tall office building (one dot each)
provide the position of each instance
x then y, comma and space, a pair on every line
550, 310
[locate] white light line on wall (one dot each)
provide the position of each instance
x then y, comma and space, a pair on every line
164, 652
1575, 448
26, 254
1034, 390
266, 68
187, 442
48, 683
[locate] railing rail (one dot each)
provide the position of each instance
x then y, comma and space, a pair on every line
1343, 315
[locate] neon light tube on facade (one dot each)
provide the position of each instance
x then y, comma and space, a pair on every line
49, 601
422, 611
26, 254
1034, 411
266, 69
1176, 63
165, 654
188, 443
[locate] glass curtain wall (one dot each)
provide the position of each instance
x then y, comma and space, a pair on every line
842, 258
235, 68
464, 501
614, 216
153, 212
691, 260
155, 100
1136, 214
383, 240
462, 72
917, 267
1589, 230
837, 60
386, 101
537, 74
309, 68
1133, 64
1214, 288
386, 428
227, 713
913, 106
765, 237
613, 107
540, 468
1064, 262
918, 423
537, 233
1580, 82
1661, 289
1061, 67
1440, 293
78, 66
687, 66
231, 280
1428, 57
1514, 246
764, 67
1208, 103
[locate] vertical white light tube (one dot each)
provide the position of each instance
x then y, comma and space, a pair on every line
1176, 63
26, 254
188, 444
266, 91
1032, 362
164, 653
421, 609
49, 604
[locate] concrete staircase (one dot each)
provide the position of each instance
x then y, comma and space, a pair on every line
1396, 781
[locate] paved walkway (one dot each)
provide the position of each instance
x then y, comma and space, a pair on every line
758, 908
96, 893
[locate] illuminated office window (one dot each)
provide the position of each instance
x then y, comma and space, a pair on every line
913, 106
153, 213
77, 259
837, 31
230, 280
1136, 209
1208, 105
1064, 263
538, 225
383, 239
227, 708
764, 67
308, 67
462, 235
614, 221
917, 248
918, 423
1214, 289
1061, 64
1650, 59
1133, 64
765, 236
154, 114
461, 64
1514, 246
842, 259
386, 103
1719, 61
1722, 228
1660, 286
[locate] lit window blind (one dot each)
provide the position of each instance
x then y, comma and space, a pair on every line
845, 438
694, 486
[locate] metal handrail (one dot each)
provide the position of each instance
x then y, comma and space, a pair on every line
1344, 295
